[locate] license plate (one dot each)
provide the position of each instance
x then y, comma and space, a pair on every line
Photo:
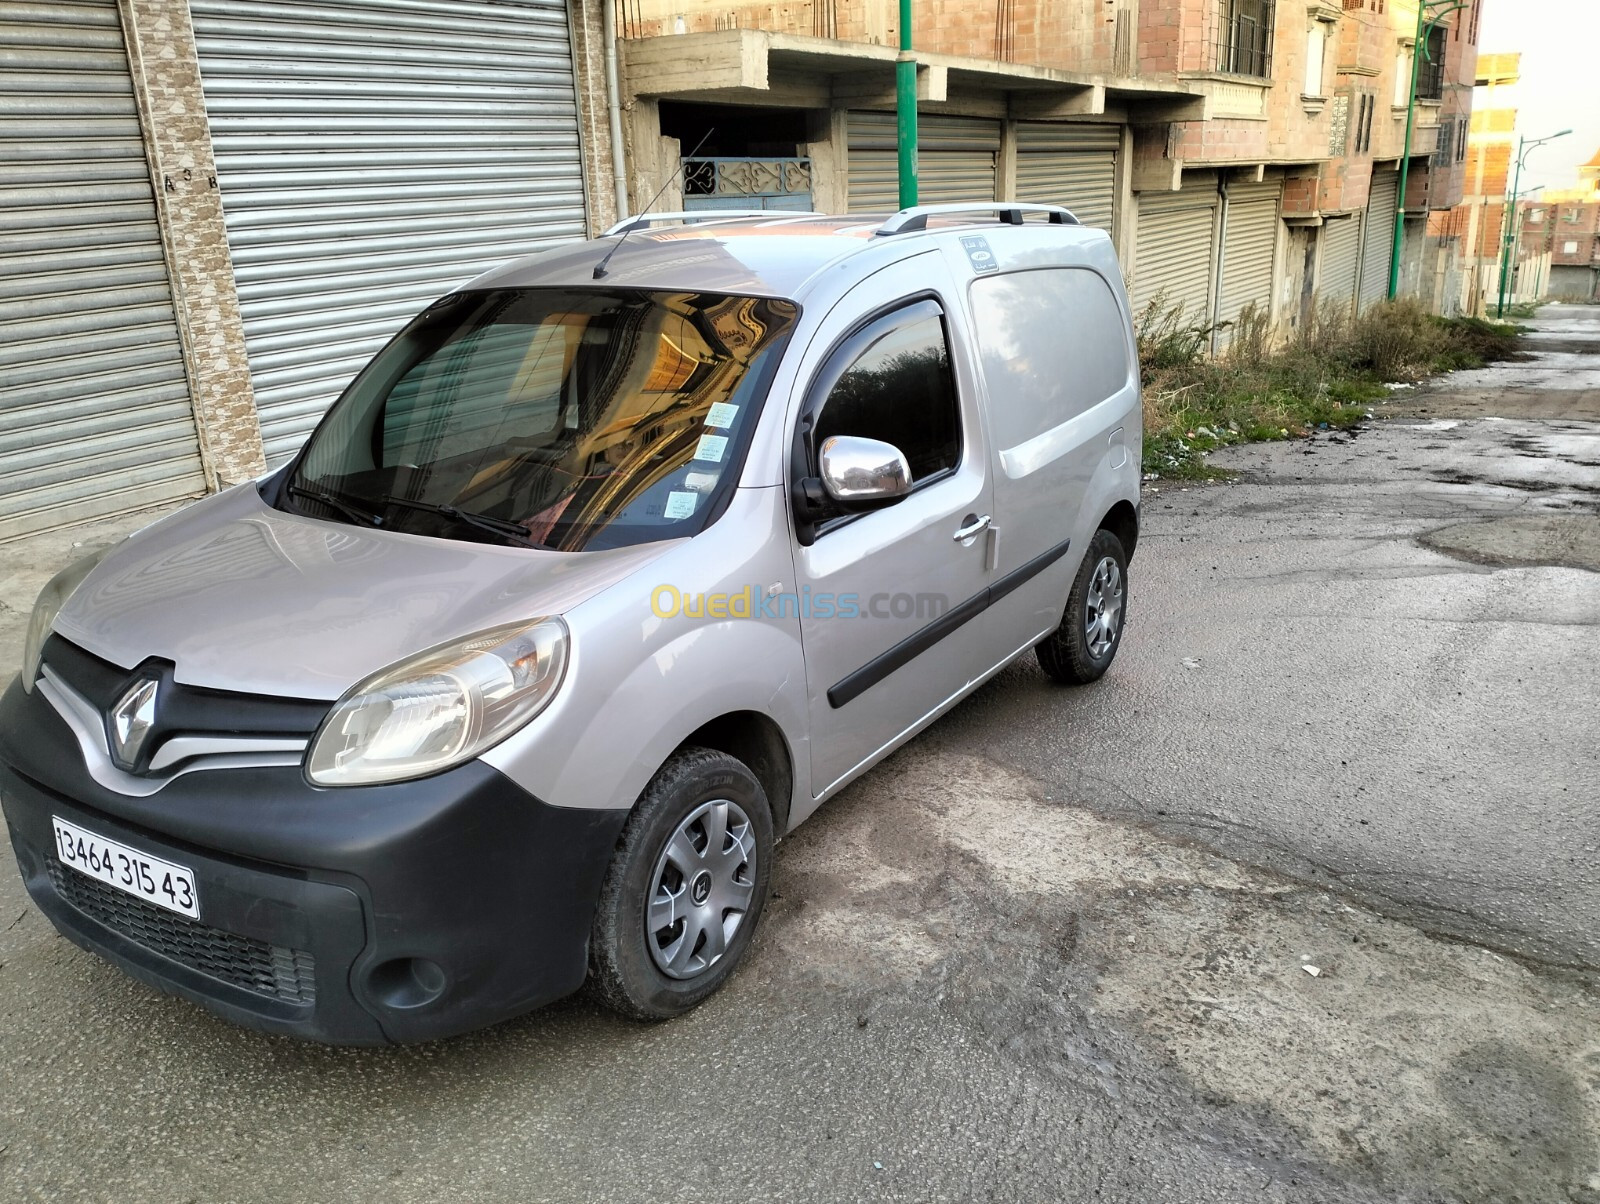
139, 874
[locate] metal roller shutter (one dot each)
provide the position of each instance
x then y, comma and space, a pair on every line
1249, 248
955, 161
1341, 259
1071, 165
95, 416
1379, 248
372, 155
1174, 250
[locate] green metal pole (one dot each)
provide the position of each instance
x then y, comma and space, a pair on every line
1418, 49
905, 80
1405, 158
1505, 254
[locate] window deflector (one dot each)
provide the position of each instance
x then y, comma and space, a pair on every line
810, 503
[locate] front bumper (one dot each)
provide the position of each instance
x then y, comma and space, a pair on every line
358, 916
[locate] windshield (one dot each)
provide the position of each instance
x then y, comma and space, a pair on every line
549, 418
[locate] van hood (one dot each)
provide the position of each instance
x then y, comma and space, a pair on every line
239, 596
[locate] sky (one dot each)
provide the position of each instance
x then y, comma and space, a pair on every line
1560, 84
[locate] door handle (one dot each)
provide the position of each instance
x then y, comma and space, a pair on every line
973, 526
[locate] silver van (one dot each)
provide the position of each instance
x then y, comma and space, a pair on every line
609, 570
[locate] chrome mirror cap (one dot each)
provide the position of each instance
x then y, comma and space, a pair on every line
863, 472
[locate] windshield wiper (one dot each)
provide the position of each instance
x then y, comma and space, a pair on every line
348, 509
483, 522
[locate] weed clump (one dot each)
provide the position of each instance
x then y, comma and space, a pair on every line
1258, 385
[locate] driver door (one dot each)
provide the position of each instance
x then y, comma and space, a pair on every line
887, 595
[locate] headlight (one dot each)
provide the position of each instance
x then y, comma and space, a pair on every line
441, 707
51, 599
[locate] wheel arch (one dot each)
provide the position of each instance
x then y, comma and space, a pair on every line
757, 741
1122, 520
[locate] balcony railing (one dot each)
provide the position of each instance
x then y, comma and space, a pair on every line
1244, 37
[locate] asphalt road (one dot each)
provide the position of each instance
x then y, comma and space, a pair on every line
1310, 684
1299, 904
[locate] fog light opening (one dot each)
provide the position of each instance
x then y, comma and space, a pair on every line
406, 982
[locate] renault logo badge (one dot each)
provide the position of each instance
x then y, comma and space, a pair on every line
131, 720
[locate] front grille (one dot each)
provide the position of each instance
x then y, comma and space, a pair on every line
288, 975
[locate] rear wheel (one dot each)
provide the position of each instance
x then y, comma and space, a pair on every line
1082, 648
685, 888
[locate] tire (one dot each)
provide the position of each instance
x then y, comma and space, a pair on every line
1083, 647
661, 865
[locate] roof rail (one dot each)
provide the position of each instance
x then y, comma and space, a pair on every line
643, 221
1009, 212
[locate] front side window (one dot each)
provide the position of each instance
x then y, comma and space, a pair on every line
898, 388
571, 420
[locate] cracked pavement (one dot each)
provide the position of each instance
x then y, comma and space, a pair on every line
1062, 945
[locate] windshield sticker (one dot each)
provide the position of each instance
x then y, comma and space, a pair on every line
680, 505
711, 447
702, 482
979, 254
722, 415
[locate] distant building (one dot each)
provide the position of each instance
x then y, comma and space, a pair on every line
1568, 226
1480, 219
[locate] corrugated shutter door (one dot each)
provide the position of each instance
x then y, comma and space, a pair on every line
1341, 259
1071, 165
1249, 248
95, 415
1173, 255
1379, 249
372, 155
955, 161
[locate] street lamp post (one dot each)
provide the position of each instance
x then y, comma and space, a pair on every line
1523, 148
905, 80
1429, 14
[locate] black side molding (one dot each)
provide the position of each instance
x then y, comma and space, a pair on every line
914, 645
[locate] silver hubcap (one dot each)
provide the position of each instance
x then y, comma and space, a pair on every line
703, 883
1104, 608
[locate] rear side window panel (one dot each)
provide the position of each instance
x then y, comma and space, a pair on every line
1053, 344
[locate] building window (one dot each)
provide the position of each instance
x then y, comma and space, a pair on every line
1569, 248
1463, 128
1430, 72
1316, 48
1535, 217
1244, 37
1367, 105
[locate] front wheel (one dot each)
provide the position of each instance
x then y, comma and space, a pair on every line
685, 889
1081, 649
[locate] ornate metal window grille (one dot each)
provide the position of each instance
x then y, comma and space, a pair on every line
739, 177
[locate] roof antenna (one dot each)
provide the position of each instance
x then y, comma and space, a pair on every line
600, 268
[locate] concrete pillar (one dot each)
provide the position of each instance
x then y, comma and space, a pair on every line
830, 181
172, 111
1005, 168
589, 74
1124, 227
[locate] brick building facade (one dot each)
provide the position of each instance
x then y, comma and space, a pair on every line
243, 214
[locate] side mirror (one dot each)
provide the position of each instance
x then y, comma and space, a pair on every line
861, 473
